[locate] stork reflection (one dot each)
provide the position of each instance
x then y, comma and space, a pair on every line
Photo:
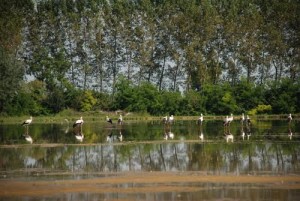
167, 123
79, 136
111, 137
28, 138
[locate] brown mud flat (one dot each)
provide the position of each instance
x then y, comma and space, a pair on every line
142, 182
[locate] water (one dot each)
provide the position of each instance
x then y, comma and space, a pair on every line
267, 149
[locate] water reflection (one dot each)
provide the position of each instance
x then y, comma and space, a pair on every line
97, 132
28, 138
106, 148
213, 158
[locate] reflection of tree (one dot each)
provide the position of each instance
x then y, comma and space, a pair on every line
162, 157
279, 158
210, 157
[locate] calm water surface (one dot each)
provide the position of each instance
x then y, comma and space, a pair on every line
267, 148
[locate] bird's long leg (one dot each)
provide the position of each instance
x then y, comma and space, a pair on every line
228, 129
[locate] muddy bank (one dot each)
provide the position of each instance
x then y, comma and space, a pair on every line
141, 182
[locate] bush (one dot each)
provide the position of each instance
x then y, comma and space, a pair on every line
261, 109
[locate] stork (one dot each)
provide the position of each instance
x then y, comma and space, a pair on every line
109, 120
27, 121
78, 122
242, 118
248, 120
290, 118
225, 121
120, 120
171, 119
200, 119
165, 119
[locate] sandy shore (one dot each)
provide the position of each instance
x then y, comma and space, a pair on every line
141, 182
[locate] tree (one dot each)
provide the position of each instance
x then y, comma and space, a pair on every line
11, 76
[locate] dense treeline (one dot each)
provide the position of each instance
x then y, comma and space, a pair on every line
155, 56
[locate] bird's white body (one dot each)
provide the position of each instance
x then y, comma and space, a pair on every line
200, 119
248, 119
120, 120
79, 121
243, 118
171, 119
230, 119
290, 118
28, 121
225, 121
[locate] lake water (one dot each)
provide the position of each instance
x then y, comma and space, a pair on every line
56, 153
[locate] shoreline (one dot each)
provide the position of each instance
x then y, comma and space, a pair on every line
151, 182
142, 182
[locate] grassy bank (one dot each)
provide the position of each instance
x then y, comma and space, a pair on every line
101, 116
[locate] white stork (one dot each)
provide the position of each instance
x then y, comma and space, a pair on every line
230, 119
242, 118
109, 120
290, 118
78, 122
171, 119
165, 119
27, 122
225, 121
200, 119
248, 120
120, 120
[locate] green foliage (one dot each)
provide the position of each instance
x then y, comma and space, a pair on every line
146, 99
87, 102
283, 96
171, 103
11, 76
80, 51
261, 109
124, 94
